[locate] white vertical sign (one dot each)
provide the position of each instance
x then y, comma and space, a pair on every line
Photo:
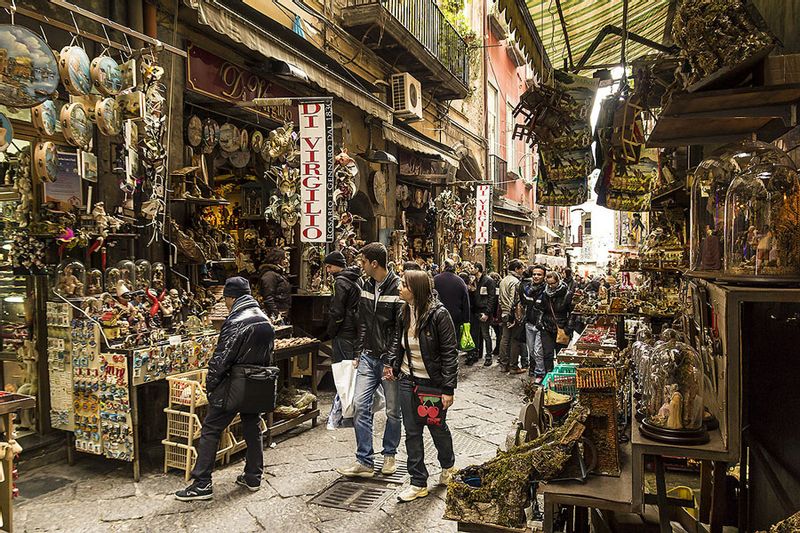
483, 214
316, 172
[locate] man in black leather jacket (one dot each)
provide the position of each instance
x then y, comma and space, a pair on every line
247, 338
379, 328
485, 302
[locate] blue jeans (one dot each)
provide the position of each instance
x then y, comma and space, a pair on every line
534, 341
368, 379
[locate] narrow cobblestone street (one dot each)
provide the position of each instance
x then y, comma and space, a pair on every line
78, 498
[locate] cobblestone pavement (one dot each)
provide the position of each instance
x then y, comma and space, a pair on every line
97, 495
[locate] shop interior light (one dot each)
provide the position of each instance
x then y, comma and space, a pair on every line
14, 299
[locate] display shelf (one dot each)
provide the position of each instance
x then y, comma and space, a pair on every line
713, 117
598, 492
714, 450
276, 428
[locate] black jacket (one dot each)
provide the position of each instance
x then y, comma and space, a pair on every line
532, 299
437, 342
246, 337
453, 295
485, 296
379, 319
558, 316
275, 290
343, 311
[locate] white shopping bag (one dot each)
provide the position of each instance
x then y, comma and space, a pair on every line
344, 376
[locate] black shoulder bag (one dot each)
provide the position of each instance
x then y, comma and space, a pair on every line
248, 389
430, 409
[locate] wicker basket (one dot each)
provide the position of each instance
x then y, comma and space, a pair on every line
182, 425
186, 390
183, 456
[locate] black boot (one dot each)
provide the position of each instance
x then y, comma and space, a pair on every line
487, 361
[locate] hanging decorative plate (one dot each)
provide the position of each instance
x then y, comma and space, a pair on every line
45, 161
76, 125
194, 131
45, 118
28, 68
210, 134
109, 116
244, 140
74, 67
6, 133
240, 159
229, 137
257, 141
106, 75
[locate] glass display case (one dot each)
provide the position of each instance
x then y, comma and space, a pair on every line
673, 399
762, 224
94, 282
127, 273
70, 279
113, 276
159, 277
144, 274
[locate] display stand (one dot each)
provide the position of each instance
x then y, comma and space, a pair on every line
283, 358
10, 404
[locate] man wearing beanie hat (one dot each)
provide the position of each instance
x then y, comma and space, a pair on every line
246, 338
342, 317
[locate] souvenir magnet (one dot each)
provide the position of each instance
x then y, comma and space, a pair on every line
45, 118
76, 125
28, 68
6, 133
45, 161
108, 116
106, 75
74, 68
194, 131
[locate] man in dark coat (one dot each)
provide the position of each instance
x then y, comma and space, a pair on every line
276, 291
342, 317
485, 302
246, 338
453, 294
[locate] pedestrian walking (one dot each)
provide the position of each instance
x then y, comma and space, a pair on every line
245, 340
379, 329
497, 319
509, 345
342, 317
485, 298
556, 309
453, 294
533, 300
426, 364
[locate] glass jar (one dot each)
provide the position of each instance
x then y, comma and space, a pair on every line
762, 221
94, 282
144, 274
159, 278
113, 276
70, 279
673, 403
127, 273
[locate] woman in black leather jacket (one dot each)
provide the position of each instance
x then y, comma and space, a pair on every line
427, 358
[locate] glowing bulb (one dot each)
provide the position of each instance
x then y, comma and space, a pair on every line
617, 72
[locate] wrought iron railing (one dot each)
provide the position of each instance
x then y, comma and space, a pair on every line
426, 22
499, 173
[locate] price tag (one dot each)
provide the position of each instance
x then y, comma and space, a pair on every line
174, 340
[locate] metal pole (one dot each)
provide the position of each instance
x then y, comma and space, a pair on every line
564, 30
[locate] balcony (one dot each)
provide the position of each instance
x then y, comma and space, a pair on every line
498, 170
414, 36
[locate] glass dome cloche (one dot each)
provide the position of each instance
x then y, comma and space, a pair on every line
70, 280
94, 282
127, 275
712, 179
673, 403
143, 274
762, 224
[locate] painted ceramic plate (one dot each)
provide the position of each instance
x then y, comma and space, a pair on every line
74, 67
6, 133
257, 141
45, 161
45, 118
76, 125
106, 75
244, 140
28, 68
109, 116
194, 131
229, 137
240, 159
210, 134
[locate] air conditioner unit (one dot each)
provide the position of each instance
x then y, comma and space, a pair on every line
406, 96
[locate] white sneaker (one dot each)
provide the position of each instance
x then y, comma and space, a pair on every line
389, 465
411, 493
356, 470
447, 475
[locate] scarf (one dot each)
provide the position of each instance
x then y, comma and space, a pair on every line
242, 302
550, 292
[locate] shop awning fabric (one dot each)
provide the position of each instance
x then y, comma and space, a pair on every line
584, 19
508, 213
417, 144
547, 231
226, 21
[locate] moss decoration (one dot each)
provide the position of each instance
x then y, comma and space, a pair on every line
504, 480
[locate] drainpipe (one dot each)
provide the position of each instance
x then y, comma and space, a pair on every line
136, 20
150, 19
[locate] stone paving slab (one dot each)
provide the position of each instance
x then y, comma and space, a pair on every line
99, 495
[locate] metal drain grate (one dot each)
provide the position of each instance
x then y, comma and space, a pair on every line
398, 477
463, 445
360, 497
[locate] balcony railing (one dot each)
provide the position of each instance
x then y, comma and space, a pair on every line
426, 23
498, 169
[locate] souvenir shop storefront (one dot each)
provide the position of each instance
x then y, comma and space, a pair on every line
512, 234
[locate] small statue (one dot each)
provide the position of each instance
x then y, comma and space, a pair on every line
94, 283
674, 421
69, 285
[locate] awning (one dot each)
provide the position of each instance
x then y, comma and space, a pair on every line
550, 260
508, 218
508, 213
547, 231
228, 22
417, 143
584, 20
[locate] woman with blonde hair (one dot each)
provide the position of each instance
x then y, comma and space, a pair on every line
427, 367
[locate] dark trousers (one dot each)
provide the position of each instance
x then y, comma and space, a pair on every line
414, 446
498, 335
214, 424
549, 349
510, 347
481, 337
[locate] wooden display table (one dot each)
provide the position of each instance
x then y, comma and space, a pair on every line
282, 359
10, 404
